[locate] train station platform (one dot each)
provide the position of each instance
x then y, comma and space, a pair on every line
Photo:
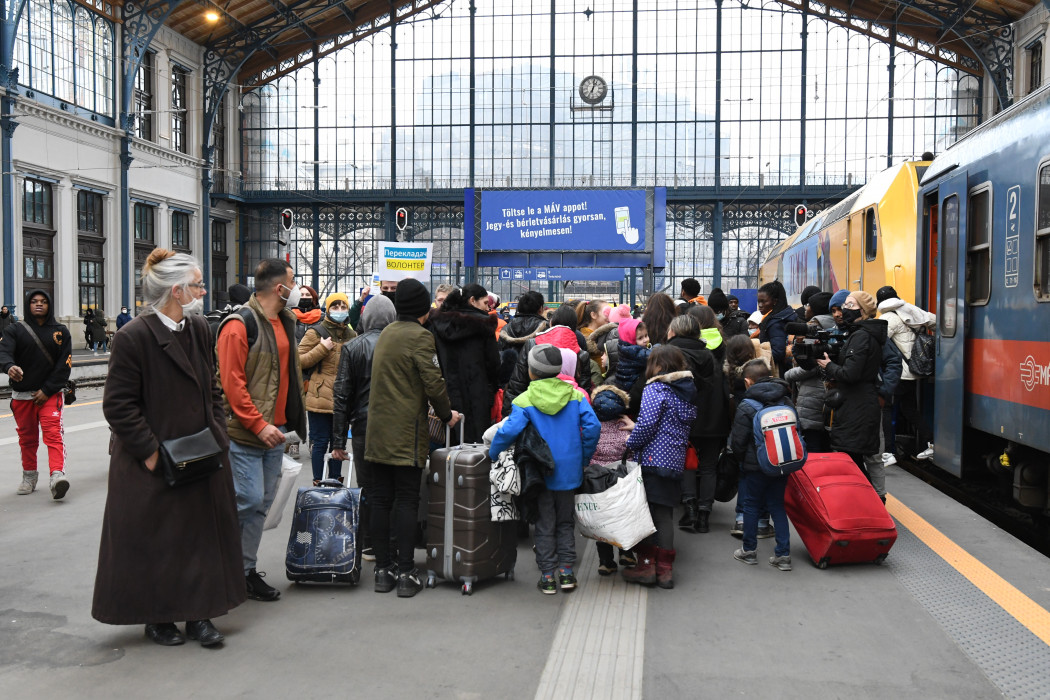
958, 610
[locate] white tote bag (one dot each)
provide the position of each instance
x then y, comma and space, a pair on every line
619, 515
286, 483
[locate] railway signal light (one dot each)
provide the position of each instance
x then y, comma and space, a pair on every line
801, 212
401, 218
287, 220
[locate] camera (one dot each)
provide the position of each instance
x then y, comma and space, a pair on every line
812, 342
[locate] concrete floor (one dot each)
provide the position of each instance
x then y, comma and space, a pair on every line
726, 630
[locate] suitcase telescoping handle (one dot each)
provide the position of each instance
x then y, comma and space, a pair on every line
448, 433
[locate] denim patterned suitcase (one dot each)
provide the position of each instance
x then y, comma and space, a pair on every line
463, 543
322, 546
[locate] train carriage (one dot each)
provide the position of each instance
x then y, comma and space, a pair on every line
966, 235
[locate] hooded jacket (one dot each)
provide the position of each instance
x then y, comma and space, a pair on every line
562, 415
856, 422
610, 404
466, 348
661, 433
123, 318
735, 323
6, 320
605, 339
353, 379
630, 365
514, 335
768, 392
561, 337
901, 319
18, 348
712, 402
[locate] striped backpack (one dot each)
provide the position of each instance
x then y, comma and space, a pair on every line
778, 446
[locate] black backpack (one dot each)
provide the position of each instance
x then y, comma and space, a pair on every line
923, 351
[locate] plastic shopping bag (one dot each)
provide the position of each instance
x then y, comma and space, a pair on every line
285, 485
620, 514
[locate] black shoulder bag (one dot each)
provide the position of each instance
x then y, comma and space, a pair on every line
69, 392
191, 458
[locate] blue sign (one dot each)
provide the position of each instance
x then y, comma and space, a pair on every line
571, 220
601, 274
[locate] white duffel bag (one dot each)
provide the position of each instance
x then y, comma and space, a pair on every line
620, 514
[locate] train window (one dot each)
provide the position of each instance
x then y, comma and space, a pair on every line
1042, 235
871, 234
979, 247
949, 265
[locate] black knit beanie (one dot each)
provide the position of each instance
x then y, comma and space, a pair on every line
885, 293
818, 303
411, 298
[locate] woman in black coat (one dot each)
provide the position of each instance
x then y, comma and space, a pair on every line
465, 336
528, 321
709, 431
168, 554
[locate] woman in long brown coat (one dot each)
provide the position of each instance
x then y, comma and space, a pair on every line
168, 554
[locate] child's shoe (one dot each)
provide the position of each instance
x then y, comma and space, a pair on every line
566, 578
547, 584
765, 530
627, 558
606, 568
738, 529
664, 562
782, 563
746, 557
644, 571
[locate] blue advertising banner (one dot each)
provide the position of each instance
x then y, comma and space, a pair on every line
573, 220
576, 274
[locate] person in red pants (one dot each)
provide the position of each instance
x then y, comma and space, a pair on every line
36, 356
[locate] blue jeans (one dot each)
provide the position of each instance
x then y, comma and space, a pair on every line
321, 438
765, 493
255, 474
741, 489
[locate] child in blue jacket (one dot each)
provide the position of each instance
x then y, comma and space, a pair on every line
565, 419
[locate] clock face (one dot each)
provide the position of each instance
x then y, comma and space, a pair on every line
593, 89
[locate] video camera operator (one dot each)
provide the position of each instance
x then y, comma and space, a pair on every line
854, 400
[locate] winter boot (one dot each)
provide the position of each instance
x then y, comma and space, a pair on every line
28, 484
644, 571
689, 518
702, 521
664, 561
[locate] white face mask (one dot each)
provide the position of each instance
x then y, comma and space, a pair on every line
194, 308
294, 295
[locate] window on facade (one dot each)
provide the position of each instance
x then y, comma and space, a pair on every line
1042, 236
36, 203
218, 237
178, 109
979, 248
91, 284
144, 223
218, 141
1034, 54
89, 212
66, 50
144, 98
871, 235
180, 231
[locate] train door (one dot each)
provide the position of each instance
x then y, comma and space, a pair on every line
855, 262
951, 309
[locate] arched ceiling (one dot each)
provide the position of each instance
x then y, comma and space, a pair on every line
273, 37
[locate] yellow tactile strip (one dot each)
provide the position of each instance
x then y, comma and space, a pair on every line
1022, 608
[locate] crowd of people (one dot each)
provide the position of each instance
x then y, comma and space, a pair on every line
673, 387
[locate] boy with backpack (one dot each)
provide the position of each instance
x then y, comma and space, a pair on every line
565, 419
766, 437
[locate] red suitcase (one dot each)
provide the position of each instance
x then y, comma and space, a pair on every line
837, 513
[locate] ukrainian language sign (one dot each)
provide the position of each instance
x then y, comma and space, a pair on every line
402, 261
571, 220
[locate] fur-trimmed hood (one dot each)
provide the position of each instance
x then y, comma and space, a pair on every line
609, 402
617, 391
599, 335
521, 329
459, 324
681, 385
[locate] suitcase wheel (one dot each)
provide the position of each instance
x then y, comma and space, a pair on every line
468, 588
881, 558
823, 563
431, 581
509, 575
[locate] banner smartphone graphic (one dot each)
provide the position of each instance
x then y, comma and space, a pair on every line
623, 220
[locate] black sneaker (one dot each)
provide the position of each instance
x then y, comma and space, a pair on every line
766, 531
410, 583
627, 559
566, 578
386, 579
606, 568
259, 589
